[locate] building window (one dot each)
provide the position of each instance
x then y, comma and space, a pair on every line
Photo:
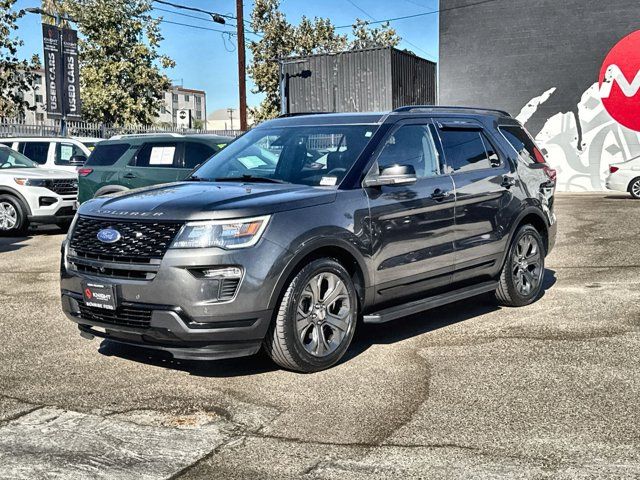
39, 99
37, 80
198, 115
39, 117
175, 98
186, 98
198, 101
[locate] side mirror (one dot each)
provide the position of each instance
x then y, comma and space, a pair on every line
393, 175
77, 160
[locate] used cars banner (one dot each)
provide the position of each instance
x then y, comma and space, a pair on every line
71, 73
53, 69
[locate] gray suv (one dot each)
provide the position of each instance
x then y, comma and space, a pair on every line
356, 218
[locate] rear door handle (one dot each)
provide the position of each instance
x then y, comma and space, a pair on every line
129, 175
507, 181
439, 194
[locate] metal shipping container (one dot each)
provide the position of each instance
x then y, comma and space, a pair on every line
370, 80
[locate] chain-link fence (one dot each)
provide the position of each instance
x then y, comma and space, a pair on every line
52, 128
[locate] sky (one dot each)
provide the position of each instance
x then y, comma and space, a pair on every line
207, 60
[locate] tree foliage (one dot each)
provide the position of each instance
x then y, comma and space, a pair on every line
280, 39
120, 77
16, 75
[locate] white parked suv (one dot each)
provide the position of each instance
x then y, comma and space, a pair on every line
625, 177
32, 194
51, 152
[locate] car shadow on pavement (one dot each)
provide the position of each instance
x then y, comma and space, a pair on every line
620, 197
11, 244
366, 336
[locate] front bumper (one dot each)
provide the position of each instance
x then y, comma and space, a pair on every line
63, 208
179, 310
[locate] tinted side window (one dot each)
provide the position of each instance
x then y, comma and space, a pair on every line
411, 145
36, 151
157, 155
465, 150
523, 144
196, 153
104, 155
64, 152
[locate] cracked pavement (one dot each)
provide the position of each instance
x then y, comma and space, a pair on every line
467, 390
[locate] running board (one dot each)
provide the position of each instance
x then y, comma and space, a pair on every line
392, 313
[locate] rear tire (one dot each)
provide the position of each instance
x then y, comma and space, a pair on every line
523, 271
316, 318
634, 188
13, 217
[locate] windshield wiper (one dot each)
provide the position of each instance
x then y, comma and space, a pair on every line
194, 178
249, 178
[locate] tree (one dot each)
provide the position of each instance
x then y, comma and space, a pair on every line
16, 76
120, 77
366, 37
279, 39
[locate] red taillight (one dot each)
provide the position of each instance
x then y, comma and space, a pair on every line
538, 155
550, 173
83, 172
613, 169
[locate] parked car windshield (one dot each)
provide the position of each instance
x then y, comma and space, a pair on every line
12, 159
310, 155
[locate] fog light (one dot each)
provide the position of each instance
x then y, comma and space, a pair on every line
224, 272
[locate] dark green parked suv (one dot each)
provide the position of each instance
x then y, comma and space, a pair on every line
125, 162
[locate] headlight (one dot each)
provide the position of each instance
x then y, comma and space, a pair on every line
240, 233
31, 182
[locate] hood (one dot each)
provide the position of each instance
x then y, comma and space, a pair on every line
207, 201
39, 173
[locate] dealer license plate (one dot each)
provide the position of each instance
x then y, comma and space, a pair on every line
99, 296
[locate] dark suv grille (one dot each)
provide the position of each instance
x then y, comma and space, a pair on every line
64, 187
139, 242
135, 256
128, 316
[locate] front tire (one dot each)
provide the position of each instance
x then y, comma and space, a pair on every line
634, 188
523, 271
316, 318
13, 217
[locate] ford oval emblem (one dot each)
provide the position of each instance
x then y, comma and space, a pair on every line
109, 235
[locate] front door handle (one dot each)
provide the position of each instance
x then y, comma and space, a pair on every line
129, 175
439, 194
507, 181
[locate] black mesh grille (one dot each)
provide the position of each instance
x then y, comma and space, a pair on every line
64, 187
139, 240
228, 288
124, 315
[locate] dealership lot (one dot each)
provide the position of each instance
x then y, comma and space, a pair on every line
471, 389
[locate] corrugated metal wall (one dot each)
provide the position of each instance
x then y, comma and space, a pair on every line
414, 80
361, 81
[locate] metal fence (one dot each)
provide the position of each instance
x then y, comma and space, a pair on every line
52, 128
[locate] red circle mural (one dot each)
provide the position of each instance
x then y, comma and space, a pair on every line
620, 81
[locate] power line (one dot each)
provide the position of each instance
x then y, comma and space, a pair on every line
195, 9
162, 20
404, 38
416, 15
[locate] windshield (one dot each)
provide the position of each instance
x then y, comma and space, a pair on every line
311, 155
12, 159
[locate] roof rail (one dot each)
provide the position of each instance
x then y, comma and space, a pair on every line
297, 114
137, 135
410, 108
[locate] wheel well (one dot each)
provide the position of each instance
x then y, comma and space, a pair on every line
633, 180
539, 224
18, 197
345, 258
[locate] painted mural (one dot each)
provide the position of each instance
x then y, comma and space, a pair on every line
581, 147
601, 129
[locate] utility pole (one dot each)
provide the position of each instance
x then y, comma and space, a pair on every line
242, 82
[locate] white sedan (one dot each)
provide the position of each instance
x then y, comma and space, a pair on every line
625, 177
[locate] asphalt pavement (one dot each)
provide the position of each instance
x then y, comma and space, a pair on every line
471, 390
